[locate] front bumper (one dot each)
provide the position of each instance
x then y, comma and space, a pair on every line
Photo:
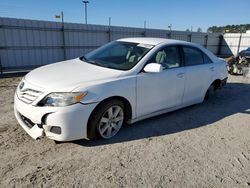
57, 123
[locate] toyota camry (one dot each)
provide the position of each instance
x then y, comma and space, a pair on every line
122, 82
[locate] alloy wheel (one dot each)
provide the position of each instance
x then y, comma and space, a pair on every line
111, 122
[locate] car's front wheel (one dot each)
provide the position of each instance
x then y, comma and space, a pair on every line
106, 120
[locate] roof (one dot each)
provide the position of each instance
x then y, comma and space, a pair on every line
157, 41
152, 41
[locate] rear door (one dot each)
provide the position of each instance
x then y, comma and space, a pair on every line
199, 71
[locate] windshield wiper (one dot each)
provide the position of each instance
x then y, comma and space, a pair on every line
93, 62
99, 64
83, 58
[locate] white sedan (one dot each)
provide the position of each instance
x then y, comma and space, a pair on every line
121, 82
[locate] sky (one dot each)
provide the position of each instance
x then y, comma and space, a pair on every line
181, 14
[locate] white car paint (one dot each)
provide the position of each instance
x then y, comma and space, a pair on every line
52, 77
148, 93
152, 87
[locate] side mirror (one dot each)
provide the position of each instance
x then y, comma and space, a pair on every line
153, 68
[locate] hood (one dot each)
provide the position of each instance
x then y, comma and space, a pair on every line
67, 75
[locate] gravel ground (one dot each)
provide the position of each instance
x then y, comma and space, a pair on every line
205, 145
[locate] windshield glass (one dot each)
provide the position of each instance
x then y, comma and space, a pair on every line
248, 49
118, 55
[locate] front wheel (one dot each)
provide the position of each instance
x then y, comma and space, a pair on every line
106, 120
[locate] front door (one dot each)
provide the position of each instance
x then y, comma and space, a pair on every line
159, 91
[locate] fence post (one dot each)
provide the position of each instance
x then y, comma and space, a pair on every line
63, 37
144, 33
169, 35
1, 67
109, 30
220, 44
109, 34
190, 38
238, 49
145, 29
64, 46
206, 40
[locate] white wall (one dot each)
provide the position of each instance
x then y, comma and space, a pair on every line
235, 42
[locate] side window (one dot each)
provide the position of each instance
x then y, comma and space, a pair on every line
192, 56
207, 60
168, 57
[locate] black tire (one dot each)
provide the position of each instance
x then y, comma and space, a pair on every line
96, 115
210, 92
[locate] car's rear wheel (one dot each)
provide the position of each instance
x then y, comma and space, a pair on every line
210, 92
106, 120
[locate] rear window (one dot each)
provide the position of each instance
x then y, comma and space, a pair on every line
192, 56
207, 60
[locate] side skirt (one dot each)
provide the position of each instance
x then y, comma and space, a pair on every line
160, 112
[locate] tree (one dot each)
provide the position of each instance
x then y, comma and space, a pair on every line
242, 28
199, 30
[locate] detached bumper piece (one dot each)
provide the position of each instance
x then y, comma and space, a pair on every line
34, 130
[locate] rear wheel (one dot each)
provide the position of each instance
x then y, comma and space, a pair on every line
210, 92
106, 120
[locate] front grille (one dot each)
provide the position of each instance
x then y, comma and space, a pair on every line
28, 95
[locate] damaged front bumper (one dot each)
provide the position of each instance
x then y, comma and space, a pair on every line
57, 123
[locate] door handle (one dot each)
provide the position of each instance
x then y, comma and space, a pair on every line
180, 75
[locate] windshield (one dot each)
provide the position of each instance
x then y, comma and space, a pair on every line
117, 55
248, 49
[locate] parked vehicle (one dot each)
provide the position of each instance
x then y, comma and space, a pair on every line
245, 53
239, 64
122, 82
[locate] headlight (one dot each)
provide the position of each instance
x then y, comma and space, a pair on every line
62, 99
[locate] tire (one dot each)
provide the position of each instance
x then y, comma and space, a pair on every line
102, 118
210, 92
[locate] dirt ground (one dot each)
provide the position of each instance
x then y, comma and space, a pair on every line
205, 145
